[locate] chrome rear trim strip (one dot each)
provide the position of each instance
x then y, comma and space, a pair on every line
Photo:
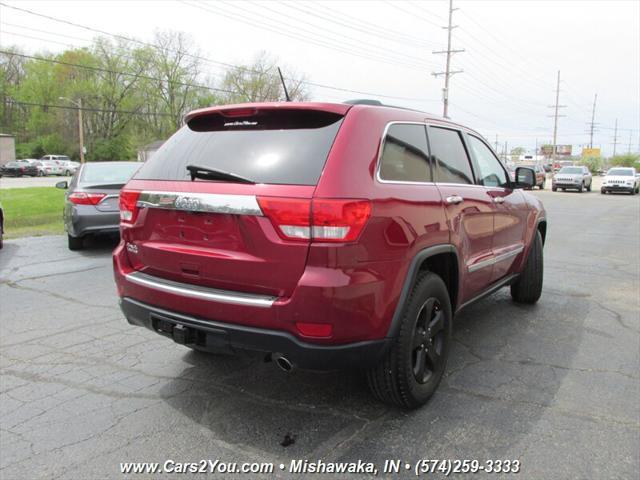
201, 202
484, 263
201, 293
492, 261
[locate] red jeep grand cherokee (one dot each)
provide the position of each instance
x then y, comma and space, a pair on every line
325, 236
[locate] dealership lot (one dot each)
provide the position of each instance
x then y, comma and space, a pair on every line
554, 385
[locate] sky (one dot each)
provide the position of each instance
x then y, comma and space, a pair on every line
512, 52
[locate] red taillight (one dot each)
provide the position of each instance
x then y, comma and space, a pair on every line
290, 216
322, 220
314, 329
129, 206
339, 220
84, 198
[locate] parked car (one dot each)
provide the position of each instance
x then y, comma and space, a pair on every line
621, 179
18, 169
56, 158
541, 176
36, 163
575, 178
325, 236
52, 167
91, 202
68, 167
1, 226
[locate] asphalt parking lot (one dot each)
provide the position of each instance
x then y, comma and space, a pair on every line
555, 385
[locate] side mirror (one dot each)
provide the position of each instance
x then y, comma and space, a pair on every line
525, 177
64, 185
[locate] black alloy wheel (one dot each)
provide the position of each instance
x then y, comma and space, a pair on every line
428, 341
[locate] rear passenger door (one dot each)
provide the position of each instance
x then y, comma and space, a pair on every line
468, 208
509, 205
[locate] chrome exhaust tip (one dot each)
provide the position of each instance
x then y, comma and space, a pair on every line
283, 363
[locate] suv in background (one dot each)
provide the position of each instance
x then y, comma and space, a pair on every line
325, 236
621, 179
575, 178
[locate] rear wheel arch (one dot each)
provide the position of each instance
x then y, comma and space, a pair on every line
542, 228
439, 259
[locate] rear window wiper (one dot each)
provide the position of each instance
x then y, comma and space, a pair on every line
207, 173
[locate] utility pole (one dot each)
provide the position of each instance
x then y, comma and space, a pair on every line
80, 130
592, 124
615, 137
555, 118
496, 142
448, 72
78, 105
629, 151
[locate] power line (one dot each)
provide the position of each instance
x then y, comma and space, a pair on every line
287, 33
448, 72
87, 109
199, 57
115, 72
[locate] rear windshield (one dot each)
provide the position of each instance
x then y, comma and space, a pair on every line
278, 147
107, 173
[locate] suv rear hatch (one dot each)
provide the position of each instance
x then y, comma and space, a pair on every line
231, 220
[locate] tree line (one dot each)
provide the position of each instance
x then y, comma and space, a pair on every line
131, 93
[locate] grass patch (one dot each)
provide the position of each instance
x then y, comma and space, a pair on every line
32, 211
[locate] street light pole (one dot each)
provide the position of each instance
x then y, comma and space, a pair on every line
78, 105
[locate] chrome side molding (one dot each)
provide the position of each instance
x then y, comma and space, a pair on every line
201, 202
200, 293
492, 261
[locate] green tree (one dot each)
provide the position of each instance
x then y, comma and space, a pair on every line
260, 82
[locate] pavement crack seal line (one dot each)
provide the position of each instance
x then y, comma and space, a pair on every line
617, 316
15, 285
38, 277
554, 408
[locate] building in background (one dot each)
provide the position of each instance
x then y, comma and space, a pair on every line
7, 148
145, 153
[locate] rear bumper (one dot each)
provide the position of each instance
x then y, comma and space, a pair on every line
84, 219
216, 336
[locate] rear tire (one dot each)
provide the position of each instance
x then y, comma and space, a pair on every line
75, 243
589, 187
554, 189
603, 191
412, 368
528, 287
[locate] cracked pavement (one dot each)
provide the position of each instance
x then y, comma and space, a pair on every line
555, 385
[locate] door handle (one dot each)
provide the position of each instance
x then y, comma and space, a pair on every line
454, 199
498, 199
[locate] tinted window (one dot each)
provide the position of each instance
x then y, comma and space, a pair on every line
106, 173
453, 164
405, 157
279, 147
490, 172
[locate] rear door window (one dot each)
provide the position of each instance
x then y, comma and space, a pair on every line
266, 146
405, 155
452, 162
